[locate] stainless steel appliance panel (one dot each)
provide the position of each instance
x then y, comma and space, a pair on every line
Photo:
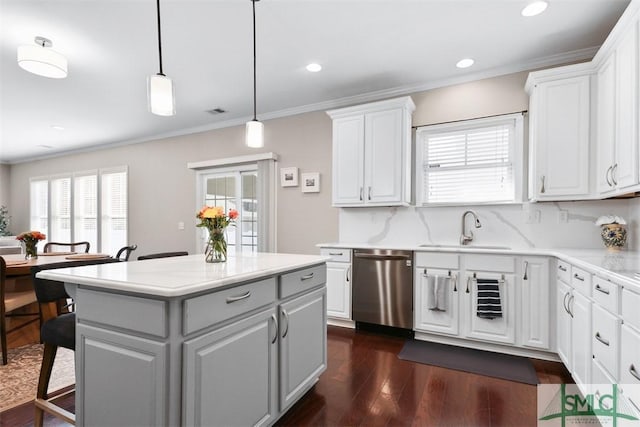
383, 287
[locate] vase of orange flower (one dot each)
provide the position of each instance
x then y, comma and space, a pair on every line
216, 222
30, 240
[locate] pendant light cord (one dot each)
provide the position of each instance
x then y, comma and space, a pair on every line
254, 59
159, 38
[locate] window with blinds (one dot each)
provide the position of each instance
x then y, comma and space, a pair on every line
474, 161
84, 206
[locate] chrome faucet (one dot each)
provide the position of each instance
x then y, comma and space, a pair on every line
467, 238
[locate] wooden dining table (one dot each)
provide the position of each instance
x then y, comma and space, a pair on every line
18, 266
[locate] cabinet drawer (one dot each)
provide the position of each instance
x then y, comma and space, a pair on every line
605, 341
502, 264
301, 280
605, 293
629, 356
564, 271
337, 255
143, 315
206, 310
437, 260
581, 281
631, 308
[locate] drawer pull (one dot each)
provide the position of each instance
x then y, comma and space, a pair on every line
602, 340
632, 371
575, 276
562, 268
307, 277
347, 275
542, 190
275, 329
335, 253
526, 267
564, 303
603, 290
239, 297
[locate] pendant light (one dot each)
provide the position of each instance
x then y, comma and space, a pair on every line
254, 135
40, 59
160, 87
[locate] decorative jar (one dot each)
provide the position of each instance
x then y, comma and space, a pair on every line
614, 236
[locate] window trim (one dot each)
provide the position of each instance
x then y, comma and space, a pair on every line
516, 153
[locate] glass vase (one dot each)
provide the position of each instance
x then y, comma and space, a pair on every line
30, 249
216, 250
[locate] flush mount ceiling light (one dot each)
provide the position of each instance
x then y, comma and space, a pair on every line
313, 67
534, 8
254, 135
40, 59
465, 63
57, 127
160, 92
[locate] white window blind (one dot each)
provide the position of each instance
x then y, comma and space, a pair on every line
60, 210
85, 212
39, 190
114, 210
468, 162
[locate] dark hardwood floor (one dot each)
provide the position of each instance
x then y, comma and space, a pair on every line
365, 384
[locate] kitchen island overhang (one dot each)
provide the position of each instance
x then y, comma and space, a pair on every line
177, 341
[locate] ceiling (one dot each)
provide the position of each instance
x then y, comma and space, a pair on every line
368, 49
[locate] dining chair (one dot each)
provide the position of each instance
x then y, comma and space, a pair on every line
162, 255
58, 330
71, 247
9, 302
126, 251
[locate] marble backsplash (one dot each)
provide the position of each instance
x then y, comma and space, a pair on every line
529, 225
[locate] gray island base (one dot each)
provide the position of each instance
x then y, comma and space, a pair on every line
179, 342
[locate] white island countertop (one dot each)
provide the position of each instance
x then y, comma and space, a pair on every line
179, 276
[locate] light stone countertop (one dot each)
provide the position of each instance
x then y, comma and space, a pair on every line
620, 266
180, 276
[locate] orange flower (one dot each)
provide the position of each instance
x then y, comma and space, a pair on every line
214, 217
31, 235
233, 214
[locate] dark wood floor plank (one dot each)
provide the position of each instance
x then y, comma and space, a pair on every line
365, 384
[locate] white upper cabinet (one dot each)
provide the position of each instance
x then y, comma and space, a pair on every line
372, 154
606, 125
559, 133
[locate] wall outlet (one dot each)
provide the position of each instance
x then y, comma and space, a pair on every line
532, 216
563, 216
181, 225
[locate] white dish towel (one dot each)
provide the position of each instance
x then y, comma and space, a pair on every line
438, 290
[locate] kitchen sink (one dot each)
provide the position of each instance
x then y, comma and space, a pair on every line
465, 246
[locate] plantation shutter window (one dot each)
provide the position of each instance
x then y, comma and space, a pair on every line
470, 162
114, 208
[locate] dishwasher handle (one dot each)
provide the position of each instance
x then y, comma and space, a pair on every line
381, 257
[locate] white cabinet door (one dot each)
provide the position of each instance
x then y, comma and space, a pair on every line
435, 308
303, 344
606, 129
384, 165
534, 325
348, 160
499, 329
581, 354
339, 290
625, 169
230, 374
561, 138
563, 325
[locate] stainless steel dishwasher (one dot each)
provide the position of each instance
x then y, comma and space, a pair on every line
383, 287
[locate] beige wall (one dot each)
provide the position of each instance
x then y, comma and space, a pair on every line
162, 189
4, 184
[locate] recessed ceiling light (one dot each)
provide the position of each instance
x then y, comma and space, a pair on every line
314, 68
534, 8
47, 147
465, 63
57, 127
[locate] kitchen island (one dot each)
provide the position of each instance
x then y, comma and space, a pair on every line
177, 341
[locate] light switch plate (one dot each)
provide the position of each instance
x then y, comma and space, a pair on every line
563, 216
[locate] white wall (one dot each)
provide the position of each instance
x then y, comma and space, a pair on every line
162, 189
5, 182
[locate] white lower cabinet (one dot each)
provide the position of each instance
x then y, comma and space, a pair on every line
244, 384
630, 367
436, 300
536, 308
498, 329
580, 308
338, 283
564, 320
